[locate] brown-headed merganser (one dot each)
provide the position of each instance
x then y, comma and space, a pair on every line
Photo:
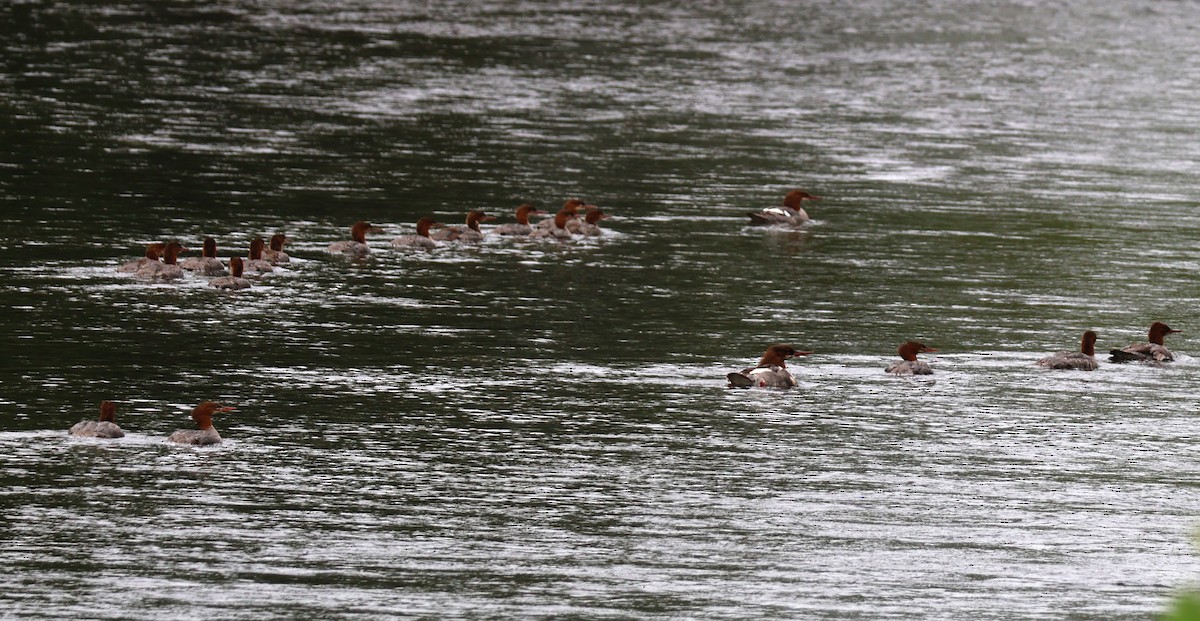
153, 253
208, 264
275, 253
255, 264
572, 207
106, 427
770, 372
1084, 359
169, 268
559, 230
590, 226
789, 213
421, 239
206, 434
234, 281
1153, 352
469, 234
910, 365
357, 245
521, 226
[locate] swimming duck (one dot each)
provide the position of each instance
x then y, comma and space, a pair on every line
206, 434
469, 234
275, 253
234, 281
522, 226
910, 365
169, 268
590, 226
208, 264
1153, 352
1084, 359
421, 239
559, 230
153, 253
357, 245
789, 213
106, 427
571, 206
770, 372
255, 264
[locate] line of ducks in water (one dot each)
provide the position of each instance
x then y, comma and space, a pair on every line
772, 372
161, 260
106, 426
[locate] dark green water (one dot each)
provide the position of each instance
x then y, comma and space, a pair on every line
542, 430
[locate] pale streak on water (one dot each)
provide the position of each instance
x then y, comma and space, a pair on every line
530, 430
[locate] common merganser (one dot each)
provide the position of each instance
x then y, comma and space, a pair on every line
275, 253
208, 264
1153, 352
234, 281
421, 239
206, 434
357, 246
469, 234
255, 264
106, 427
559, 230
789, 213
590, 227
153, 253
522, 226
572, 207
910, 365
770, 372
169, 268
1084, 359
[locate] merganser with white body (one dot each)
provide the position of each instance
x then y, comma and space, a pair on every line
771, 371
521, 226
910, 365
255, 264
1153, 352
421, 239
789, 213
572, 207
206, 434
153, 253
1084, 359
275, 254
169, 268
590, 226
558, 231
357, 246
208, 264
234, 281
469, 234
106, 427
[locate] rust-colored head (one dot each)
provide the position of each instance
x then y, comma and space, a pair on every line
277, 242
795, 197
1158, 330
171, 254
594, 215
1088, 344
777, 355
909, 350
526, 210
108, 411
560, 218
210, 248
155, 250
358, 232
256, 248
236, 267
424, 224
476, 216
203, 413
574, 205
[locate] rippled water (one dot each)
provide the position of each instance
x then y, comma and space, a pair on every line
542, 430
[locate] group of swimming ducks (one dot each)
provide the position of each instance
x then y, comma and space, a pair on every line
161, 260
106, 426
772, 372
